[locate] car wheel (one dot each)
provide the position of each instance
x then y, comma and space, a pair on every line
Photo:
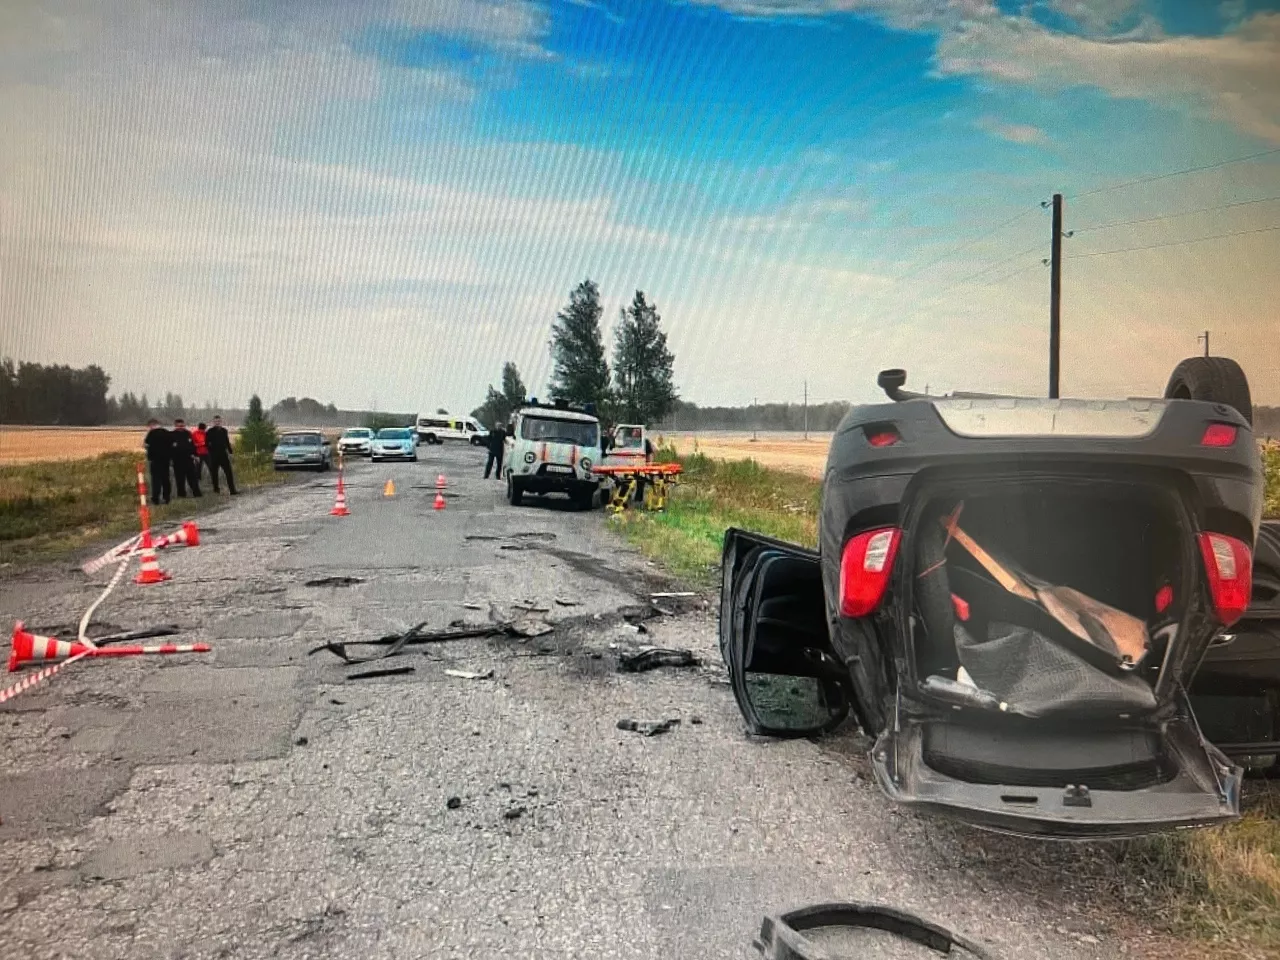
414, 458
584, 499
515, 492
1215, 379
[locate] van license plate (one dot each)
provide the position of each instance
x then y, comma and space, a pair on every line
557, 468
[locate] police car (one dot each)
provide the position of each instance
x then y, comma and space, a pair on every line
552, 448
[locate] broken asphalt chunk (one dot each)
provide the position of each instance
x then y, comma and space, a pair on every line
647, 728
514, 813
656, 657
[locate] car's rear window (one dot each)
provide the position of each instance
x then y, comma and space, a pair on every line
359, 434
300, 440
389, 434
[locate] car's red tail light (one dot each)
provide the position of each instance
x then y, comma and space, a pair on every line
865, 568
882, 435
1218, 435
1228, 563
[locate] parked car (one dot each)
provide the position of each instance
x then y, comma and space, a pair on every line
1014, 596
394, 443
357, 441
437, 428
302, 448
552, 449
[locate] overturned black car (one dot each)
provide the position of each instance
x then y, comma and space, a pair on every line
1039, 609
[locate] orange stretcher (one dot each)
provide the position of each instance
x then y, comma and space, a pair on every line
648, 483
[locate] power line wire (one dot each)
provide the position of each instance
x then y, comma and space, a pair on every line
1173, 243
968, 243
1175, 173
1171, 216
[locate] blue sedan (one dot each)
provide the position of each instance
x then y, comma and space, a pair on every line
394, 443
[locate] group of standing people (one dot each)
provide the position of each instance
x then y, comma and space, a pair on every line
187, 453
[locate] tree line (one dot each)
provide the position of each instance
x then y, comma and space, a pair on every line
60, 395
640, 387
770, 417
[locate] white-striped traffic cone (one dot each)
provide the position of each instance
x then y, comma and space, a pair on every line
27, 647
340, 502
188, 535
151, 572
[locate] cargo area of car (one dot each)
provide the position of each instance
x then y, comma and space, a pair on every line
1039, 699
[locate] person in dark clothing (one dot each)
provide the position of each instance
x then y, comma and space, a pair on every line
219, 444
198, 437
184, 459
496, 442
159, 446
218, 440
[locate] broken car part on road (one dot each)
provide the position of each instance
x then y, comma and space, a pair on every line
1027, 669
648, 728
396, 642
654, 658
782, 937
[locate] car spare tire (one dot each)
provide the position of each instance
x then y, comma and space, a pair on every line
1215, 379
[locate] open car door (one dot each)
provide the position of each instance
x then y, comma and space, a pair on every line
774, 639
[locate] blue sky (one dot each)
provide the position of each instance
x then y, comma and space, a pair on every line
382, 202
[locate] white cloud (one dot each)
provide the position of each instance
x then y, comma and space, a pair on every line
1097, 16
1013, 132
904, 14
1234, 77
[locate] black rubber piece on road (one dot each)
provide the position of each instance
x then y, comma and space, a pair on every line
655, 658
384, 672
1215, 379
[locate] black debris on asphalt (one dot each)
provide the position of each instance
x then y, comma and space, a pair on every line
656, 657
301, 742
649, 728
384, 672
168, 630
334, 582
514, 813
453, 803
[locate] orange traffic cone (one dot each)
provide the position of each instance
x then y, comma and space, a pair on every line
439, 481
389, 489
150, 572
189, 535
30, 647
340, 504
439, 504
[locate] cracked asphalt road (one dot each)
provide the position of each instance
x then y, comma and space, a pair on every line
253, 803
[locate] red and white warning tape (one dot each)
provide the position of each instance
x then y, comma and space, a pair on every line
26, 683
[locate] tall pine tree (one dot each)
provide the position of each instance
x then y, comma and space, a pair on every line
499, 405
577, 348
642, 364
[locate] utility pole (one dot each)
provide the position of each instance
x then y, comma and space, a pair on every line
1205, 337
806, 409
1055, 298
755, 420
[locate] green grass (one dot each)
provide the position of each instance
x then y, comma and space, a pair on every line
713, 495
1220, 885
1271, 468
51, 509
